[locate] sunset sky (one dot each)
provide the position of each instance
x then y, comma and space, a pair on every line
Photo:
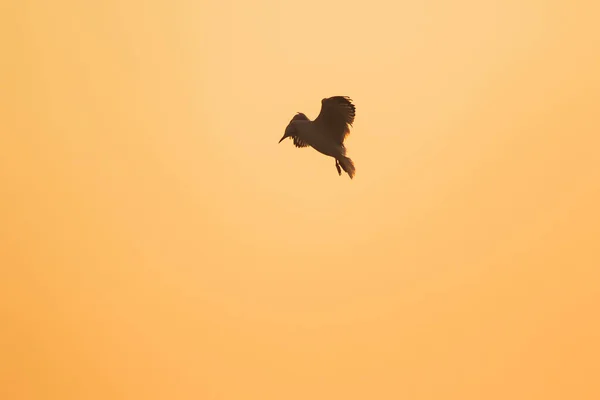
156, 242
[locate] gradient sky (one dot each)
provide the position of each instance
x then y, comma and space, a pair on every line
157, 243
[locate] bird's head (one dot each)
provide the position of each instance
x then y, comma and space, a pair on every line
284, 136
290, 130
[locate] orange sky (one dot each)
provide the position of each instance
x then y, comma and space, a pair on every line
157, 242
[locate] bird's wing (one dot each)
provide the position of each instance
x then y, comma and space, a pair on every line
298, 142
292, 130
336, 117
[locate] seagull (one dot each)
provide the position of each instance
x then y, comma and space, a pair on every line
327, 132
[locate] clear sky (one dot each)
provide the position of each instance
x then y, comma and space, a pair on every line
156, 242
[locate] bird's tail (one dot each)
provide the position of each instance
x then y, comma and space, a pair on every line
347, 165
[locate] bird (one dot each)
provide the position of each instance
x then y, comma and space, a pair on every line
327, 132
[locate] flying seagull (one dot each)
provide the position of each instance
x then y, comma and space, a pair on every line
327, 132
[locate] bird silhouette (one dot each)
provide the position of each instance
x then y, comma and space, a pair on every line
327, 132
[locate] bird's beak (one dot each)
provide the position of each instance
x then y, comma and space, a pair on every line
284, 136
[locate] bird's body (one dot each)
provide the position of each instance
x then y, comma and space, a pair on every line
309, 133
327, 132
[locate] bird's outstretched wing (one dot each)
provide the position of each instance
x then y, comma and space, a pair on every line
336, 117
298, 142
292, 131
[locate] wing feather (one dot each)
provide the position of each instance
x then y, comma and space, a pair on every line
336, 117
298, 143
292, 131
